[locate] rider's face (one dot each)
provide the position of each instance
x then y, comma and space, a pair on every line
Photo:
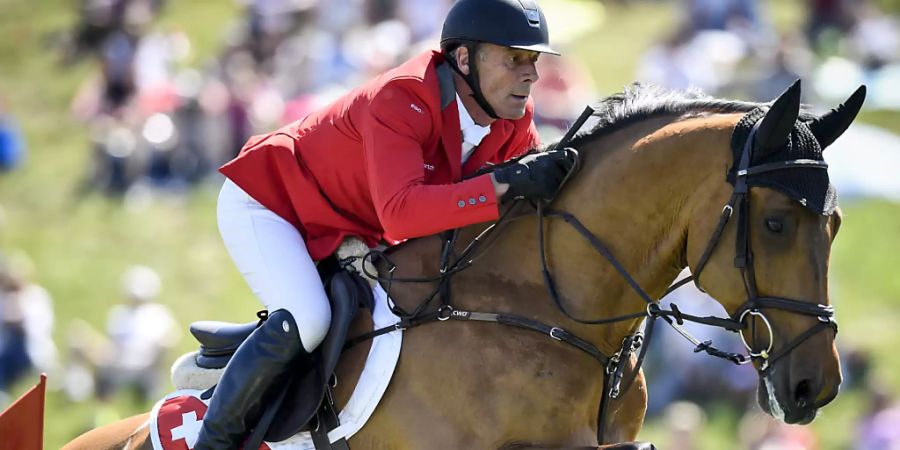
506, 76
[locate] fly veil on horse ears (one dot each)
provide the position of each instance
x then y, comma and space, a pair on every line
780, 139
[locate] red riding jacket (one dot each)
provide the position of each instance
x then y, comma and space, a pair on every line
382, 162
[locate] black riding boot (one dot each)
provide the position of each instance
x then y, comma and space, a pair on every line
262, 361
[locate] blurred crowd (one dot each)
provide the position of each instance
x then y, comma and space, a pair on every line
158, 121
732, 48
132, 353
26, 324
129, 355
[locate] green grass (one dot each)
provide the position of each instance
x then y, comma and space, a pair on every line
80, 247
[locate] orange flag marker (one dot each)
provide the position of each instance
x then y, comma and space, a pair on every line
22, 424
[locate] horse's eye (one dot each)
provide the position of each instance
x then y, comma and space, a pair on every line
774, 225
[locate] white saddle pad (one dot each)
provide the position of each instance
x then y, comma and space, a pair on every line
175, 420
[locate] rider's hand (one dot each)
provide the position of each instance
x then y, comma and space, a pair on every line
538, 176
499, 188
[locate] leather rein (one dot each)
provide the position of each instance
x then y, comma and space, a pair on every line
614, 365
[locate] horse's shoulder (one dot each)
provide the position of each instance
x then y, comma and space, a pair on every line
130, 433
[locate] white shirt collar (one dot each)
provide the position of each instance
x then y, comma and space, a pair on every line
473, 133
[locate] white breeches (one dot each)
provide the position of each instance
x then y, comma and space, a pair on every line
271, 255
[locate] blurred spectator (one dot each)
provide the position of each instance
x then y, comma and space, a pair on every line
117, 70
132, 66
12, 143
705, 60
875, 39
155, 63
239, 77
856, 367
667, 63
116, 161
880, 425
88, 348
98, 19
423, 17
790, 61
684, 422
722, 14
151, 127
141, 331
268, 22
761, 432
561, 93
111, 88
828, 17
26, 324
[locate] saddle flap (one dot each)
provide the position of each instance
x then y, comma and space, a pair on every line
220, 338
346, 292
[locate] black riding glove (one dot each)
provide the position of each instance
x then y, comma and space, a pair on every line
536, 177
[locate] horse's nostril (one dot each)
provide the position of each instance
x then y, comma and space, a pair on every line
802, 393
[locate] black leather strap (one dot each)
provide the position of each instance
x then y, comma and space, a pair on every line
557, 333
327, 419
784, 350
809, 309
448, 313
259, 433
794, 164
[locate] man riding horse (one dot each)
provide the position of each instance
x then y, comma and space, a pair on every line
386, 162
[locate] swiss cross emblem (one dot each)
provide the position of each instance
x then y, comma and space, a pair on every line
179, 422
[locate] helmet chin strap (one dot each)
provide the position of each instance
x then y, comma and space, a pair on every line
472, 79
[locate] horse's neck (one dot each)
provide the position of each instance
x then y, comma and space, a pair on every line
635, 192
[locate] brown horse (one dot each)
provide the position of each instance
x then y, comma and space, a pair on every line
652, 186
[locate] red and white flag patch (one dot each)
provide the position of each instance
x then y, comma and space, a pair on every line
176, 421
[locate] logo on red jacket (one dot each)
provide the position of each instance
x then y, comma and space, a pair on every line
179, 420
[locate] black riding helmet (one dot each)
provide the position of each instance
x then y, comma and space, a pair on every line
509, 23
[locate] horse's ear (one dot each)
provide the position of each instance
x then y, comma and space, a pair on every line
779, 121
834, 123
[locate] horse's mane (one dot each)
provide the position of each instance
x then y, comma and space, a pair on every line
639, 101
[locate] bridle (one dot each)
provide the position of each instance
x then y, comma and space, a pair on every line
614, 365
743, 261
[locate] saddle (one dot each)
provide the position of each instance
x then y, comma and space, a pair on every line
307, 401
